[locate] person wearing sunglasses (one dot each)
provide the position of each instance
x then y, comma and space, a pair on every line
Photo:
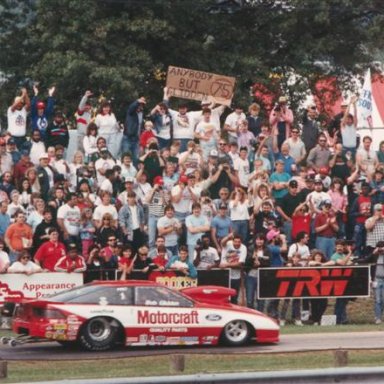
319, 156
24, 264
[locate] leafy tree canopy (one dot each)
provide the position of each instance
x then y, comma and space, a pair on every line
122, 48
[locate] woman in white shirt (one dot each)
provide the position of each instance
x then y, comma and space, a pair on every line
108, 127
90, 142
24, 265
239, 215
74, 167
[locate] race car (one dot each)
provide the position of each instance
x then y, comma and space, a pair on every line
103, 314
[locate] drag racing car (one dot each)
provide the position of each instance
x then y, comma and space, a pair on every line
103, 314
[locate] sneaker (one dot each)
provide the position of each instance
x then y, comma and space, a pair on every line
298, 323
282, 323
378, 321
305, 315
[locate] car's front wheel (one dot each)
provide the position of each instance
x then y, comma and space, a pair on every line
236, 333
99, 334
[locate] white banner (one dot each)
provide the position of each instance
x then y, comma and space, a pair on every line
364, 105
38, 285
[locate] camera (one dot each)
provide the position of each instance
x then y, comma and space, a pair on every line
277, 108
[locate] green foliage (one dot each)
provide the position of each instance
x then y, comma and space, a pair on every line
121, 48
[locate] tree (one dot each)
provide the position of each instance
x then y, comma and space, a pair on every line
122, 48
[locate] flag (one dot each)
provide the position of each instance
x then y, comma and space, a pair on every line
364, 105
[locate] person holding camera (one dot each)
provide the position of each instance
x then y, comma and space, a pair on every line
281, 118
153, 161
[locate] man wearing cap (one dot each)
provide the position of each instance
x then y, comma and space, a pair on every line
41, 113
71, 262
156, 199
375, 228
287, 206
326, 229
50, 252
12, 150
46, 175
57, 131
102, 164
232, 123
281, 119
221, 225
317, 196
17, 117
83, 118
134, 123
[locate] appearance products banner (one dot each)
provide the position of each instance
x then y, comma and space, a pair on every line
200, 85
39, 285
348, 281
177, 280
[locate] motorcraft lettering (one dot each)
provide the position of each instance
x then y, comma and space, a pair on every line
158, 317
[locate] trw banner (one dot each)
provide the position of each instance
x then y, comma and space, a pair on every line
318, 282
199, 85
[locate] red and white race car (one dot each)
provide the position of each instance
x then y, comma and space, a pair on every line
103, 314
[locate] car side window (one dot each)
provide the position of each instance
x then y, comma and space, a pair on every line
107, 296
160, 297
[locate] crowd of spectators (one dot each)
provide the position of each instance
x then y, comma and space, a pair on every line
187, 190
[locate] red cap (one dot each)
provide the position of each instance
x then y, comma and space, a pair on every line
183, 179
40, 105
324, 170
158, 180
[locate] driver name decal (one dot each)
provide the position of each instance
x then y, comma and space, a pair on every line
147, 317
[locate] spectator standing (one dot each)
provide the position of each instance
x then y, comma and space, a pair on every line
68, 219
17, 117
57, 131
296, 146
41, 113
232, 123
374, 226
279, 181
311, 128
366, 159
18, 236
206, 257
233, 256
320, 155
133, 126
103, 208
281, 118
4, 258
46, 175
348, 129
254, 119
197, 225
5, 219
239, 215
221, 226
170, 228
83, 119
326, 229
35, 147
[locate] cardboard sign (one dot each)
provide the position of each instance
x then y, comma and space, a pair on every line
314, 282
200, 85
39, 285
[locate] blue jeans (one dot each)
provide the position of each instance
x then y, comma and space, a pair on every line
379, 297
132, 146
152, 230
287, 229
326, 245
19, 141
240, 227
360, 235
181, 216
183, 144
341, 310
191, 252
163, 143
251, 293
296, 309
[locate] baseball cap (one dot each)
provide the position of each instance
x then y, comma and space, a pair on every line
72, 246
223, 206
293, 184
183, 179
158, 180
283, 99
272, 234
129, 179
11, 141
324, 171
44, 156
326, 202
378, 207
213, 153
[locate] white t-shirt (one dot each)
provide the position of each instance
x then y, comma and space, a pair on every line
71, 217
296, 148
208, 257
170, 238
183, 125
297, 248
106, 185
233, 120
37, 149
17, 122
102, 209
242, 167
103, 164
141, 190
4, 259
183, 206
192, 162
107, 124
228, 257
240, 212
215, 116
18, 267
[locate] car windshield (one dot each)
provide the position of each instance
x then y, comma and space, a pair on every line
71, 294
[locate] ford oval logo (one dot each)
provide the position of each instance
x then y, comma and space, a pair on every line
213, 317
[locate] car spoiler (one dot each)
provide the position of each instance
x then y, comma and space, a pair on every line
210, 294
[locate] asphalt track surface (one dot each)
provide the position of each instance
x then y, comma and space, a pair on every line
288, 343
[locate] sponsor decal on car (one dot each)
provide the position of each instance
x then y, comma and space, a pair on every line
213, 317
102, 311
158, 317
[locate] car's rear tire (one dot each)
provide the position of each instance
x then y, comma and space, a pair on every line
99, 334
236, 333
